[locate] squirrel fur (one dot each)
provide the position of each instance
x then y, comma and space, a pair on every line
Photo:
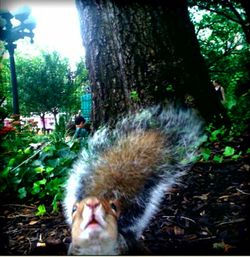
119, 180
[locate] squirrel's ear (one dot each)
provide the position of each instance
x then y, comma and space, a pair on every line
115, 207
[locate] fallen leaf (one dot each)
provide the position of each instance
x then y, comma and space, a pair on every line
227, 247
178, 231
202, 197
41, 244
218, 245
33, 222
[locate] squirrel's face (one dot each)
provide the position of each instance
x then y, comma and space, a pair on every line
94, 226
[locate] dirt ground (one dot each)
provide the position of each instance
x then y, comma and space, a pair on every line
208, 214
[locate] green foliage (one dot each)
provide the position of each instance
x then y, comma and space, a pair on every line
45, 83
134, 96
206, 154
60, 129
45, 77
41, 210
216, 146
170, 88
5, 100
35, 167
35, 174
222, 39
229, 151
240, 114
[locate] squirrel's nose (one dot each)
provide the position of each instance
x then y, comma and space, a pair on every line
92, 203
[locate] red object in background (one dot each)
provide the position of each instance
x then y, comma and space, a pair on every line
6, 130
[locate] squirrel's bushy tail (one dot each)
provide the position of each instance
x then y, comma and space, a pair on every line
137, 161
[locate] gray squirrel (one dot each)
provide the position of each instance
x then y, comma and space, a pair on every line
119, 180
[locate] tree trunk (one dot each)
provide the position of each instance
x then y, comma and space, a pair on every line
141, 48
55, 119
55, 112
42, 116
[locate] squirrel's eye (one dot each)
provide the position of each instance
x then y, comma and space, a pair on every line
113, 206
74, 209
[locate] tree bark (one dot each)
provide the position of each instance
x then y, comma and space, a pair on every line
42, 116
142, 47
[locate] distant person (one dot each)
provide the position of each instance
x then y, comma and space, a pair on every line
80, 123
219, 91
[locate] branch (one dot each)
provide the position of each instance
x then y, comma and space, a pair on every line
31, 157
230, 222
226, 53
220, 13
235, 12
210, 25
2, 100
244, 23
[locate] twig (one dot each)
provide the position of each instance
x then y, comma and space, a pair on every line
168, 217
181, 217
202, 239
244, 193
230, 222
31, 157
19, 205
12, 231
21, 215
220, 13
30, 244
186, 218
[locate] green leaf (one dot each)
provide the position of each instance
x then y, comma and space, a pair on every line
206, 153
41, 182
11, 162
218, 246
3, 187
27, 150
41, 210
37, 186
54, 163
49, 148
36, 163
236, 156
134, 96
5, 172
15, 180
54, 185
49, 169
22, 193
214, 135
218, 158
35, 189
170, 88
57, 198
229, 151
39, 169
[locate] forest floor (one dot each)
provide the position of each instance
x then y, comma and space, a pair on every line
208, 214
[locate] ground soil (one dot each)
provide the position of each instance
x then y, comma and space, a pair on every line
207, 214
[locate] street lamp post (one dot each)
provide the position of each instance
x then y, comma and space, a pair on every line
9, 34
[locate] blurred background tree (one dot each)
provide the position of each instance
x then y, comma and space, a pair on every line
5, 96
47, 84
